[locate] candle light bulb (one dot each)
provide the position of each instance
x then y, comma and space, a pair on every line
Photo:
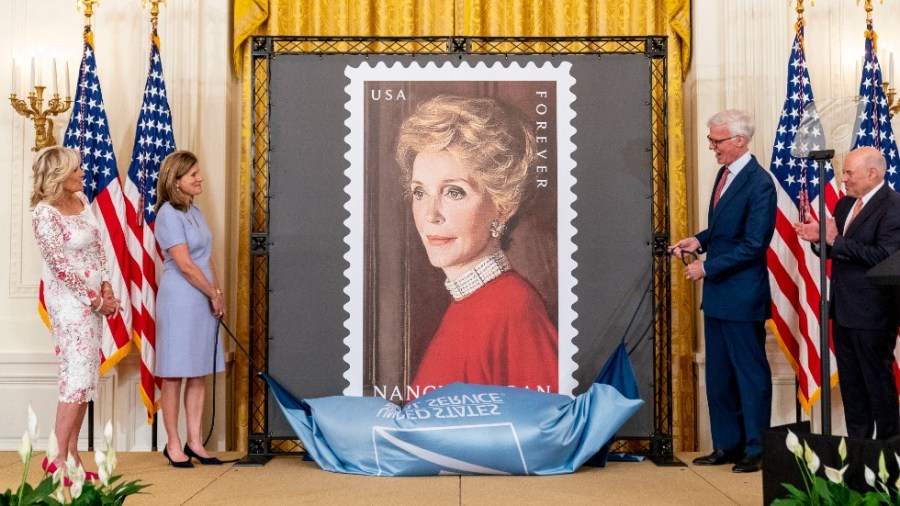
55, 85
891, 71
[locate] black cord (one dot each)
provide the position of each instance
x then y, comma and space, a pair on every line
212, 422
215, 356
238, 343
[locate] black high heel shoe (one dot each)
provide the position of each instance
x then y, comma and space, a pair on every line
182, 463
206, 461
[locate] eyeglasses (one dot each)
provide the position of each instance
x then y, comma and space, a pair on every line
715, 142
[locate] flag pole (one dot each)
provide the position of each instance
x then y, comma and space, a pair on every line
88, 7
821, 157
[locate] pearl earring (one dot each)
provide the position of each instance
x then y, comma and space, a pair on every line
497, 228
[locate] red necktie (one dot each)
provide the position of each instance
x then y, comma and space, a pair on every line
856, 209
720, 186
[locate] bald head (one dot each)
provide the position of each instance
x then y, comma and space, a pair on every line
864, 169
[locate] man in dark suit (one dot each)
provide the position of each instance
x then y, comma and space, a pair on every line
864, 231
736, 297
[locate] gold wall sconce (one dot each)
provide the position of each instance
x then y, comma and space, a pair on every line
890, 93
32, 106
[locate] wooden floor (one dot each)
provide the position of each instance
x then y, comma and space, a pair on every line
289, 480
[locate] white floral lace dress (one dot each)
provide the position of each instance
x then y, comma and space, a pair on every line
74, 269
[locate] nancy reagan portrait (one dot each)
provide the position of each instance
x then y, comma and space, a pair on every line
460, 237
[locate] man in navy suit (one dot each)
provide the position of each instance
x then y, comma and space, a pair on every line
864, 231
736, 297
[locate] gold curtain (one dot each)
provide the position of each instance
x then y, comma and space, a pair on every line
483, 18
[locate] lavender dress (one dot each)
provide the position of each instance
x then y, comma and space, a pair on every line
185, 326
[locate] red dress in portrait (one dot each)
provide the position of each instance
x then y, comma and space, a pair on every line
498, 335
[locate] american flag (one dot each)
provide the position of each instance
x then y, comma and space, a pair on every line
153, 140
88, 132
793, 267
873, 123
873, 127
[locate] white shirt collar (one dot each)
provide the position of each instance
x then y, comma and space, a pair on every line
868, 196
736, 166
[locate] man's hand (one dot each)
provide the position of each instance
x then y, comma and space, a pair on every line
694, 271
830, 231
688, 245
810, 231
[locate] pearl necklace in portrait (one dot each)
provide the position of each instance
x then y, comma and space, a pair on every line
485, 271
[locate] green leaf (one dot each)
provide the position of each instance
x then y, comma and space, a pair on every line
787, 502
796, 493
90, 496
846, 496
820, 488
874, 499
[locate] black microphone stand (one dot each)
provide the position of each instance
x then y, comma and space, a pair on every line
821, 157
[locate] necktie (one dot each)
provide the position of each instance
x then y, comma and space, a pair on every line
856, 209
720, 186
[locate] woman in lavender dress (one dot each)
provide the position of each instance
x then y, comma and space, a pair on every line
189, 304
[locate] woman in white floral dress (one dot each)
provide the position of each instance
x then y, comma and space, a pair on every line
77, 293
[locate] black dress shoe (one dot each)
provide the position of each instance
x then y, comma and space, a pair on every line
748, 464
177, 463
206, 461
716, 458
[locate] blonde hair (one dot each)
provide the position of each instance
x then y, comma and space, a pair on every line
487, 137
176, 165
52, 165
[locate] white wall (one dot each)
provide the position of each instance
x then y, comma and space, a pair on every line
740, 58
195, 39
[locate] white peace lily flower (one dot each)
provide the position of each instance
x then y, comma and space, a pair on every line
52, 447
834, 475
25, 449
108, 433
111, 460
812, 460
75, 489
870, 477
104, 476
842, 449
58, 475
882, 468
77, 475
793, 444
33, 429
100, 460
813, 464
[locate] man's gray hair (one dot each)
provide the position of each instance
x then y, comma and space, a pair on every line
739, 122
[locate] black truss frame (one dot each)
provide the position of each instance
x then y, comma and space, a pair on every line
261, 445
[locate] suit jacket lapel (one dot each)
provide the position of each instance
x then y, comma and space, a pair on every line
867, 209
733, 189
